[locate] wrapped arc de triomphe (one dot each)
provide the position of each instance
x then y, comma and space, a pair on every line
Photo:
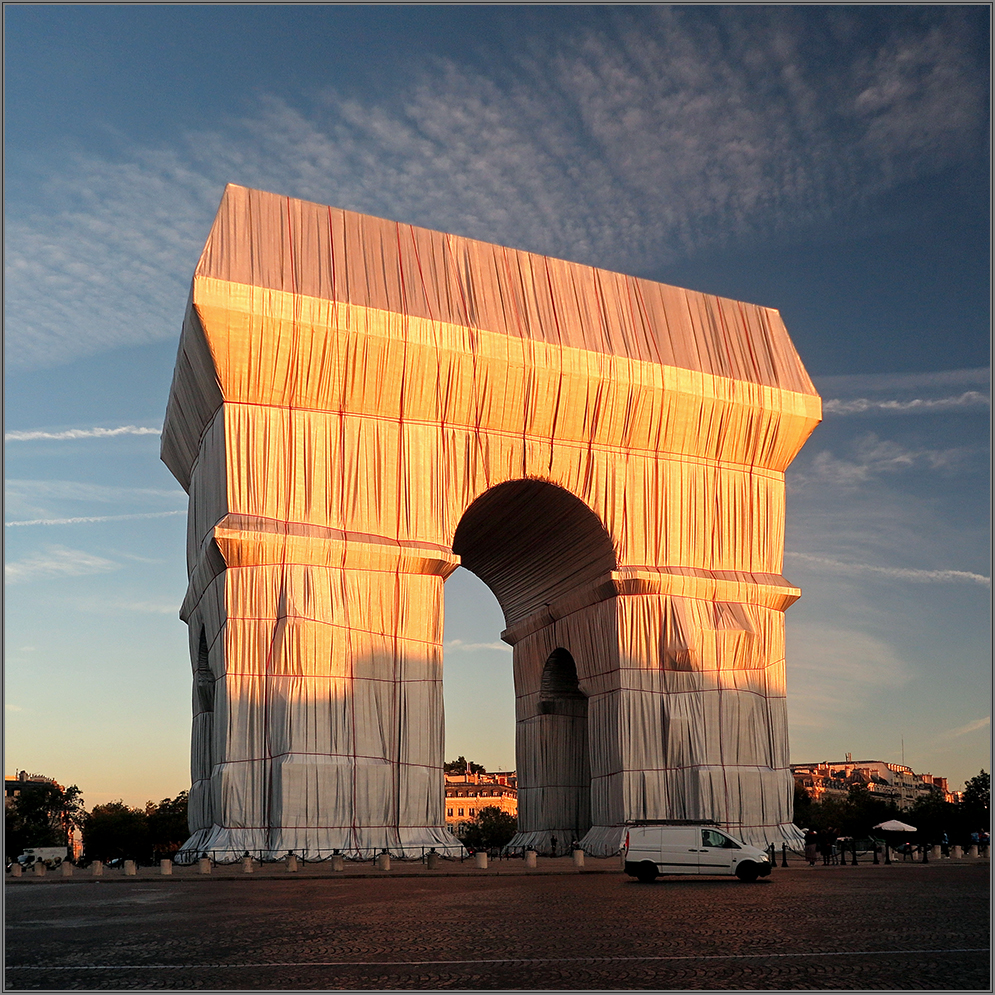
359, 407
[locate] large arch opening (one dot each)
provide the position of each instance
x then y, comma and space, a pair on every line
534, 545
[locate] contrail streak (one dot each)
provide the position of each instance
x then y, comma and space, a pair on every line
863, 405
81, 433
94, 518
899, 573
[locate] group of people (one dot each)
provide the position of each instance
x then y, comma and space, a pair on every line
827, 844
824, 843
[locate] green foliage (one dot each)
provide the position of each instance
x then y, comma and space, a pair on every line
116, 831
168, 828
857, 813
43, 814
460, 765
978, 796
491, 828
853, 815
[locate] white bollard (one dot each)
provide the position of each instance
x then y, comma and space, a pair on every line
338, 862
480, 860
204, 865
530, 858
40, 869
15, 870
165, 867
130, 869
247, 866
292, 865
973, 852
66, 868
936, 853
956, 852
433, 861
383, 862
578, 856
97, 868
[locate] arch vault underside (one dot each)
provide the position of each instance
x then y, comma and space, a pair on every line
359, 406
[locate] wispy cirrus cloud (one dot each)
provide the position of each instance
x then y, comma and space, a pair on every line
893, 573
78, 490
86, 519
56, 561
663, 134
33, 435
57, 502
870, 457
464, 647
937, 405
118, 606
947, 391
965, 730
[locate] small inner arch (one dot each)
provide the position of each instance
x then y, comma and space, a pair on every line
559, 688
532, 543
204, 676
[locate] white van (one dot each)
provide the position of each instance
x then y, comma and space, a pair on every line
660, 848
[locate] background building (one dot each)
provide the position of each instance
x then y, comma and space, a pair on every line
23, 781
467, 794
894, 783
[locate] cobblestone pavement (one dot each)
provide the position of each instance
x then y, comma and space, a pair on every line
900, 927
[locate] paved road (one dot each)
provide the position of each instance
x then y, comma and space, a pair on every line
900, 927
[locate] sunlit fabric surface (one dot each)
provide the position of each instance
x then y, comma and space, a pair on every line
358, 406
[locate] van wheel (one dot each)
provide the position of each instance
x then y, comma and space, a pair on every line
748, 872
646, 873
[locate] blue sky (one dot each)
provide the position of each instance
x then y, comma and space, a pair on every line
828, 161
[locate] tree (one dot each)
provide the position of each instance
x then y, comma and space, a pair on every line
802, 806
115, 832
977, 797
490, 828
43, 814
167, 824
460, 766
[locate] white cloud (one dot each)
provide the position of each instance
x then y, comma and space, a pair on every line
458, 644
57, 502
76, 490
662, 135
94, 518
80, 433
917, 405
105, 606
56, 561
906, 393
976, 726
873, 458
894, 573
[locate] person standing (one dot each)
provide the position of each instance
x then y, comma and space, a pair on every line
811, 846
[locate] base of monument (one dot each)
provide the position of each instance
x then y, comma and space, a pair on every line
228, 845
